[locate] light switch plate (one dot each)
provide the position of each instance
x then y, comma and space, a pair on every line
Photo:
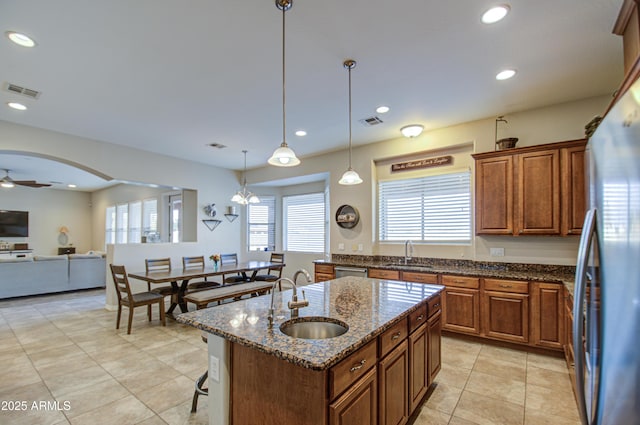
496, 252
341, 246
214, 368
360, 247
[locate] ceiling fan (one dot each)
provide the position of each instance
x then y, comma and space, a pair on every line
9, 182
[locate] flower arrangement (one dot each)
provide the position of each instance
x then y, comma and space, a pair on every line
214, 257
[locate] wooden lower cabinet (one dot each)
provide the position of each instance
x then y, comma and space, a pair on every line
434, 347
418, 365
547, 306
324, 272
383, 274
359, 405
393, 406
461, 310
505, 316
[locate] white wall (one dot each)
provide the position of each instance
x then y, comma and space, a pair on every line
545, 125
50, 209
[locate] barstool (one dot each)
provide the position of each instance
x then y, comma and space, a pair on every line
199, 385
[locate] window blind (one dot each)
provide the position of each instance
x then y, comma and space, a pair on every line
135, 222
428, 209
305, 222
262, 224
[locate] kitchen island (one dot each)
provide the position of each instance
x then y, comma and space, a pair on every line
377, 372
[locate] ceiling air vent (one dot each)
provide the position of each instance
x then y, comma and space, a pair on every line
14, 88
370, 121
217, 145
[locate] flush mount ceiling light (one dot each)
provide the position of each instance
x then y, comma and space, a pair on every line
20, 39
495, 14
350, 177
284, 155
17, 106
382, 109
243, 196
506, 74
413, 130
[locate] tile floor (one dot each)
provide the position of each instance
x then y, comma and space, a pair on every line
65, 349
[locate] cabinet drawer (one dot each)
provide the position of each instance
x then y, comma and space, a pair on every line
420, 277
434, 305
324, 268
384, 274
345, 373
321, 277
461, 281
516, 286
392, 337
418, 317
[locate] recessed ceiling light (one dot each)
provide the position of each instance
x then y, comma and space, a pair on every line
382, 109
16, 105
20, 39
71, 185
495, 14
506, 74
301, 133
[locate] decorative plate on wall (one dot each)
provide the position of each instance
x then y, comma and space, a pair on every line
347, 216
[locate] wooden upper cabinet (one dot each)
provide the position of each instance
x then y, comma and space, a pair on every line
574, 189
535, 190
628, 26
494, 195
538, 193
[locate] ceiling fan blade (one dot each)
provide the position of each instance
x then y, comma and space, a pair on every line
30, 183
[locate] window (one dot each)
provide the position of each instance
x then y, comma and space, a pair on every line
135, 222
122, 222
175, 217
110, 226
150, 220
428, 209
127, 223
262, 224
304, 222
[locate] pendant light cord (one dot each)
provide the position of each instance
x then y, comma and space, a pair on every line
284, 112
350, 117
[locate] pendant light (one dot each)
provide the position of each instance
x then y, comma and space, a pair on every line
350, 177
284, 155
243, 196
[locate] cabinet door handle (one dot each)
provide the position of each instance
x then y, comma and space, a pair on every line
419, 318
436, 305
396, 336
358, 366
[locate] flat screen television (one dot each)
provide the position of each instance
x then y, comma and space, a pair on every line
14, 224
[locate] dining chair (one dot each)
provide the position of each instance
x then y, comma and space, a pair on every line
231, 260
274, 272
158, 265
189, 263
130, 300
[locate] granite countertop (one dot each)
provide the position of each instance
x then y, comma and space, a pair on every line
368, 306
529, 272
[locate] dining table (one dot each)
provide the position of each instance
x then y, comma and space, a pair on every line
179, 278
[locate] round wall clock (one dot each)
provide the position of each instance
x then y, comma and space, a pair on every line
347, 216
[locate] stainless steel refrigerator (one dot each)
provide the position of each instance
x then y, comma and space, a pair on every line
606, 330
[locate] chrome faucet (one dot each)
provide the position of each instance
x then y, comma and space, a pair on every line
408, 251
293, 305
303, 272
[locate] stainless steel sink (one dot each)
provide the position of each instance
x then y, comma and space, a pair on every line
313, 328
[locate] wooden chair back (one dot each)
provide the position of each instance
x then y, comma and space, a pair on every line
276, 258
157, 264
229, 259
121, 282
193, 262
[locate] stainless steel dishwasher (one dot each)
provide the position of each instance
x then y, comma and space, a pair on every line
350, 271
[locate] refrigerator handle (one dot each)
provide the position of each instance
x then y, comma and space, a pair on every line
588, 230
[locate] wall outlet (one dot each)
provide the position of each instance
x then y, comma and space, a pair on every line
496, 252
354, 247
360, 247
341, 246
214, 368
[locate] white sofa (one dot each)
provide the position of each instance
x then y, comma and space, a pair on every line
42, 274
